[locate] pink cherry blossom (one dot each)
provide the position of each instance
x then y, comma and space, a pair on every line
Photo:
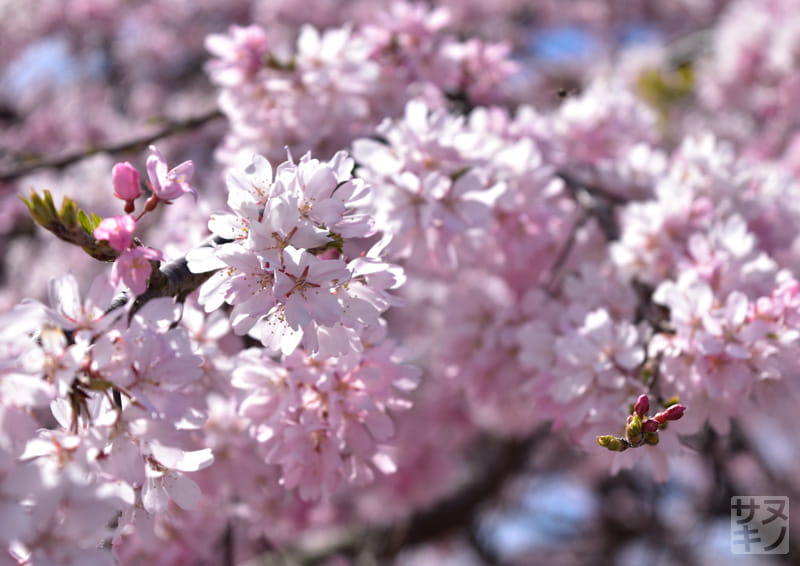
169, 184
304, 285
165, 482
91, 314
133, 268
117, 230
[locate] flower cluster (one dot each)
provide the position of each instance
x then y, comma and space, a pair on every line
641, 429
339, 83
753, 76
108, 457
479, 196
133, 265
284, 266
324, 420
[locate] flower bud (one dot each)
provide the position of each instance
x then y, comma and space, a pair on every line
651, 438
674, 413
650, 425
642, 405
611, 442
633, 432
125, 179
633, 438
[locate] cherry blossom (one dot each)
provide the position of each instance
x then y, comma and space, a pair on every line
167, 185
133, 268
117, 231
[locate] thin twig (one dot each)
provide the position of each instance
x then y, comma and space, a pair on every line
172, 127
597, 203
574, 183
563, 254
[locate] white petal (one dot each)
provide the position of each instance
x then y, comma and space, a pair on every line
183, 491
384, 463
154, 498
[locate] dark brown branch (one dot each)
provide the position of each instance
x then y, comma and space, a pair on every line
503, 460
597, 203
563, 254
615, 527
481, 548
172, 127
575, 184
172, 280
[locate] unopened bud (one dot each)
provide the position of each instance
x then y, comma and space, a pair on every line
650, 425
634, 439
651, 438
125, 179
674, 413
642, 406
633, 432
611, 442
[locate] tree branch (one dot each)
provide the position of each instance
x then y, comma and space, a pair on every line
173, 279
505, 459
137, 144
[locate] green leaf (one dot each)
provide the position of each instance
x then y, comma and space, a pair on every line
68, 213
39, 209
69, 223
85, 222
48, 202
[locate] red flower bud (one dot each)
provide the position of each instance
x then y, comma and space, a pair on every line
672, 414
650, 425
642, 405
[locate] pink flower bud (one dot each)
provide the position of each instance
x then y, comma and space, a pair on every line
125, 179
672, 414
118, 230
650, 425
642, 405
